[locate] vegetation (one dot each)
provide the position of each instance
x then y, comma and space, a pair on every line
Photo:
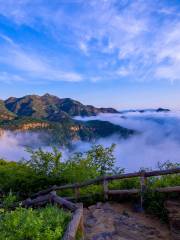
45, 169
48, 106
63, 132
46, 223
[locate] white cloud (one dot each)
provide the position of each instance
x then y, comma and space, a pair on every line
123, 71
83, 46
9, 78
32, 65
141, 34
168, 53
157, 139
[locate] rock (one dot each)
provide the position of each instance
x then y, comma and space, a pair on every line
90, 221
125, 213
99, 205
173, 208
92, 208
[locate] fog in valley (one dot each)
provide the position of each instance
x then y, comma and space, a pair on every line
157, 139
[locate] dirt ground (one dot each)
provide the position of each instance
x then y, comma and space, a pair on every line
114, 221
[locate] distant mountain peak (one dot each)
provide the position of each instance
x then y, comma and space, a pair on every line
51, 107
48, 95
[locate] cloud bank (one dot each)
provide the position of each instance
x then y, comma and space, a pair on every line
158, 140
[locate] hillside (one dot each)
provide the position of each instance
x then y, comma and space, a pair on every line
66, 131
51, 107
5, 114
54, 116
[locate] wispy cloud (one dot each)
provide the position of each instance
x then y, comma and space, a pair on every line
139, 35
10, 78
31, 65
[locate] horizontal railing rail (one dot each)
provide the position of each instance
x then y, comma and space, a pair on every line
76, 222
102, 179
77, 219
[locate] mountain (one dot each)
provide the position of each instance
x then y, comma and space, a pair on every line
151, 110
162, 110
52, 118
5, 114
51, 107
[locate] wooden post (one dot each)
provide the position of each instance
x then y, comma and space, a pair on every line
81, 228
143, 188
81, 224
105, 188
62, 201
77, 193
74, 224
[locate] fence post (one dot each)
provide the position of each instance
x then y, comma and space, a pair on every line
77, 193
143, 187
105, 188
82, 224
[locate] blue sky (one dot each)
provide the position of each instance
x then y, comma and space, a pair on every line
124, 53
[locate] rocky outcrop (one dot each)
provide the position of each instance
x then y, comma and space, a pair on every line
27, 126
173, 208
6, 117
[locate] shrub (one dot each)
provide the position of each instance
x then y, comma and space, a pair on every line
27, 224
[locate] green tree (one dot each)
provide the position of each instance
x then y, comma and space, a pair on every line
102, 158
45, 163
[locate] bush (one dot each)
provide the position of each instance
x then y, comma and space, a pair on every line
45, 169
27, 224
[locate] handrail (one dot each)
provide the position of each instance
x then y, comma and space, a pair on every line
76, 222
107, 178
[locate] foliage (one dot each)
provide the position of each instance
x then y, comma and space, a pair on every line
167, 165
102, 158
8, 200
47, 223
45, 163
45, 169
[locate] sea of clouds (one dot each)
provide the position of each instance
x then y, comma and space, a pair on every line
157, 140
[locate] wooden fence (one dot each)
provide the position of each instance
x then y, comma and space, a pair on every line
49, 195
76, 222
104, 180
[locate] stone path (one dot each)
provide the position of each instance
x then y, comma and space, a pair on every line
105, 221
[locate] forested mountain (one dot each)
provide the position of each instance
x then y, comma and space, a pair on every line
54, 117
49, 106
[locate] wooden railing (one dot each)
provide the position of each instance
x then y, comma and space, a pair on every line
105, 179
49, 195
76, 222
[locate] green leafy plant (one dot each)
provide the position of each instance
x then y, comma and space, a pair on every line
8, 200
102, 158
45, 163
28, 224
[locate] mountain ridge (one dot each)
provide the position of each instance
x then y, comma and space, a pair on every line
47, 105
55, 116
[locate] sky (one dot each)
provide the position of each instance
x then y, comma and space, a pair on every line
119, 53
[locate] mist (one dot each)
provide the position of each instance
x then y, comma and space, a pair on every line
157, 139
13, 144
